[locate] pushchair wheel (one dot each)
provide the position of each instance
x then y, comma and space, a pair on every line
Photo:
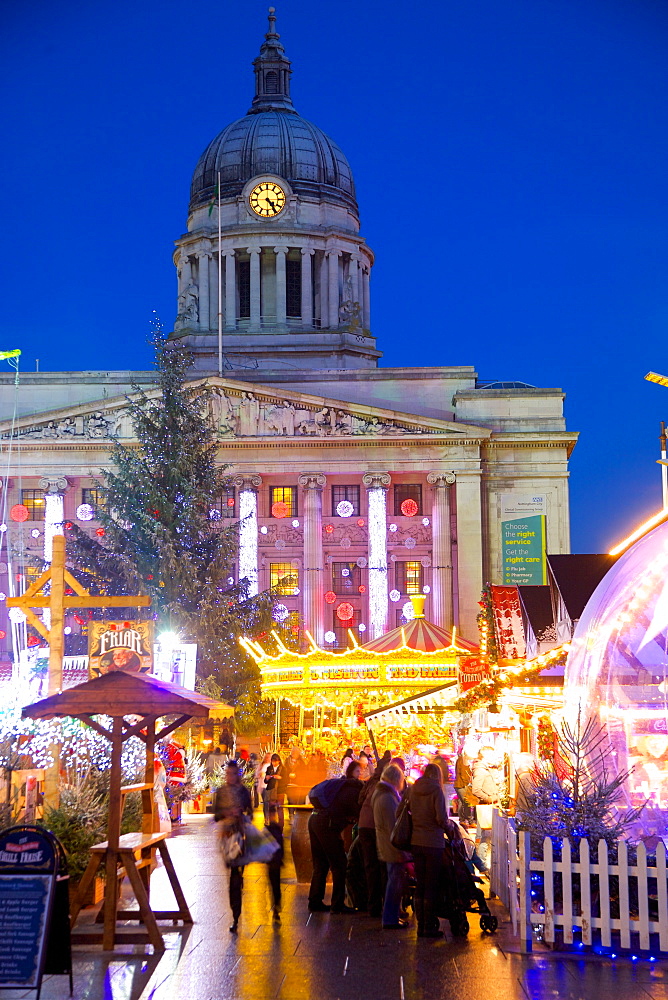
459, 927
488, 923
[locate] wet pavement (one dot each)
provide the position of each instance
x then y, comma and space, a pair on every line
324, 957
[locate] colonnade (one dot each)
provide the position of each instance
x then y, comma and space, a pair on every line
312, 584
331, 278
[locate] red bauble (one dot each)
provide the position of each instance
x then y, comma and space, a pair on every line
362, 589
330, 596
329, 528
409, 508
360, 522
230, 501
279, 509
19, 512
345, 612
100, 532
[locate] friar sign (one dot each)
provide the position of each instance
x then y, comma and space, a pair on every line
120, 646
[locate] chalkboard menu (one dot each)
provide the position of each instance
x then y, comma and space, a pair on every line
29, 868
25, 911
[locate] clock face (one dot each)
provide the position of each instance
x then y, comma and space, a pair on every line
267, 199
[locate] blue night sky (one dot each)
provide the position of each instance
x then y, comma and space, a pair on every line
510, 159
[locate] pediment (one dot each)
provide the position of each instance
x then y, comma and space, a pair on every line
241, 410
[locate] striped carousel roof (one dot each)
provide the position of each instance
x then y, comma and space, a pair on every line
420, 634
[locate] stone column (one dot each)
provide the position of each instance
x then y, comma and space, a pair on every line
230, 290
281, 317
248, 558
442, 612
324, 285
365, 303
307, 287
312, 484
203, 289
333, 288
376, 484
469, 551
355, 281
255, 320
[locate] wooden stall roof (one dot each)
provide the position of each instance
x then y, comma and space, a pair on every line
120, 693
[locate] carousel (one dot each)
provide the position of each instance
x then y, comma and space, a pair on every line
332, 691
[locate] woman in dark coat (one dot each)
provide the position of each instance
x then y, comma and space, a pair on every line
276, 780
430, 824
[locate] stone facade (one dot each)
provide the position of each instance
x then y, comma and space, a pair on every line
322, 445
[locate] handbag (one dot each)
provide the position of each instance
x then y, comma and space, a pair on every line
232, 844
402, 831
483, 814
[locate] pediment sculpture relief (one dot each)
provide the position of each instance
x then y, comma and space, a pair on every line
248, 415
96, 426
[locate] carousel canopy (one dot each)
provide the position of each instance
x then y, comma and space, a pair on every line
421, 635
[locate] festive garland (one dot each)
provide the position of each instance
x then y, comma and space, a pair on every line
486, 625
487, 692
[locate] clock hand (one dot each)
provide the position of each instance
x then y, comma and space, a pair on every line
272, 204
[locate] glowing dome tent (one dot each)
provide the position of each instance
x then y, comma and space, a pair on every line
617, 669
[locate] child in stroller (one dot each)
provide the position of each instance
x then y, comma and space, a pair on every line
460, 893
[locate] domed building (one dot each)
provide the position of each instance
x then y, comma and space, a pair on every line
274, 198
356, 486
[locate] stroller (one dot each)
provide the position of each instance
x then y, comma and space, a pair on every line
460, 894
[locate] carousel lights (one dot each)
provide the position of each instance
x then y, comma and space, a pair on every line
638, 532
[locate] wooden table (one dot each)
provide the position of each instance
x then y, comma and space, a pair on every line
133, 858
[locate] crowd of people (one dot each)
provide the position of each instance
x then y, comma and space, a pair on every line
354, 807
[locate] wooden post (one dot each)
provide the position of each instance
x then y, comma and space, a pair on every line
150, 823
56, 634
113, 835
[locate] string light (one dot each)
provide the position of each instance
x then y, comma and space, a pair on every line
377, 560
248, 539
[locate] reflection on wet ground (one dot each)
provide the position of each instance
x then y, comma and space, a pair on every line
323, 957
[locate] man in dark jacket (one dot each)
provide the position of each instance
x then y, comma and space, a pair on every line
325, 827
231, 803
385, 802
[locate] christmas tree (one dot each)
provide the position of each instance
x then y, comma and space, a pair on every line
161, 531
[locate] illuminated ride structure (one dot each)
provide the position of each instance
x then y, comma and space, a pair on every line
336, 686
617, 671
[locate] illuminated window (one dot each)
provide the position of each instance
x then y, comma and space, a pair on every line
95, 497
283, 578
407, 491
408, 577
228, 507
340, 629
284, 495
293, 288
351, 494
346, 577
32, 574
35, 502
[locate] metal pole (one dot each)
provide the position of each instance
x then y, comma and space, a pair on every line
220, 290
664, 468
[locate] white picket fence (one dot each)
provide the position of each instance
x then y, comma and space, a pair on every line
510, 880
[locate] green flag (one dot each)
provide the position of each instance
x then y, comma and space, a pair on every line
214, 199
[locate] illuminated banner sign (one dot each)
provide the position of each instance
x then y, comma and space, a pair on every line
344, 674
120, 646
523, 550
397, 673
471, 670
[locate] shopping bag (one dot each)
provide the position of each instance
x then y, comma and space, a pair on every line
231, 844
402, 832
259, 846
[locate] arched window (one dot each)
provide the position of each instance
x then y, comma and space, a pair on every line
271, 82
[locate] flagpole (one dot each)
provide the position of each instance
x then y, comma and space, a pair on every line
220, 290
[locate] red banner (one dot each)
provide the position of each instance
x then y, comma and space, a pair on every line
472, 670
508, 623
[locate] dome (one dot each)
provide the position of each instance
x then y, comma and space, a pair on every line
273, 139
617, 672
274, 142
